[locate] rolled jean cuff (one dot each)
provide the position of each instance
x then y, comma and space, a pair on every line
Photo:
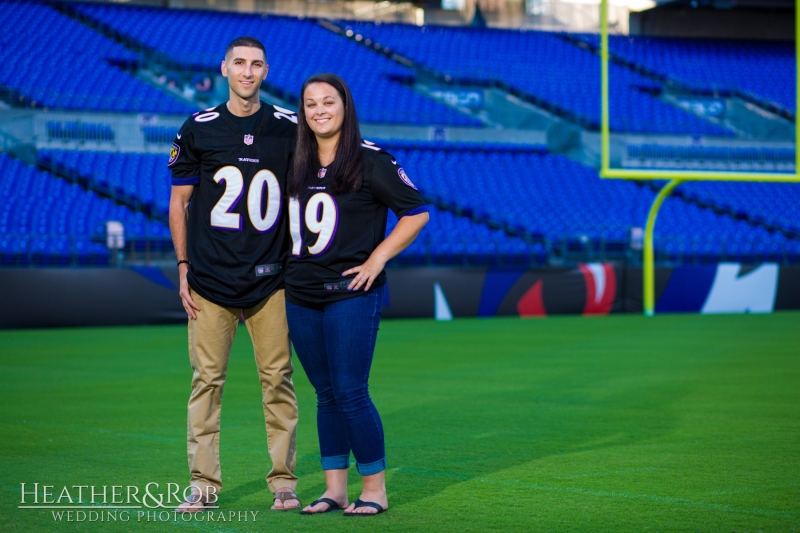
335, 462
368, 469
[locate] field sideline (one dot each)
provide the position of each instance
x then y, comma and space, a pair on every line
621, 423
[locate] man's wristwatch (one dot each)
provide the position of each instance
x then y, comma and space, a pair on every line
180, 262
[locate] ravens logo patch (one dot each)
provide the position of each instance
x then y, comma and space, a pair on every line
405, 178
173, 154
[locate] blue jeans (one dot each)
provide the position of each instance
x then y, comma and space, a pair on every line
335, 347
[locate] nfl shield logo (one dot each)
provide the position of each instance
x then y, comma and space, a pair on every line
322, 172
248, 140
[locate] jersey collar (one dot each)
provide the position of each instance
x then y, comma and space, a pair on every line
230, 119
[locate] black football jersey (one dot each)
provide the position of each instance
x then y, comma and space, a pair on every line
237, 238
332, 233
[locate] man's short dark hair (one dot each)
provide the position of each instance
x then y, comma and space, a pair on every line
252, 42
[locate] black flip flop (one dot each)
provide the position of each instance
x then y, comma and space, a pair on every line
332, 506
361, 503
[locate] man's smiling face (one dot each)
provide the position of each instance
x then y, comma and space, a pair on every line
245, 67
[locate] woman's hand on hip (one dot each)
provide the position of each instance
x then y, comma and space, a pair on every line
403, 234
366, 274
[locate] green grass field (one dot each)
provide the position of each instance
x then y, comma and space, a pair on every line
676, 423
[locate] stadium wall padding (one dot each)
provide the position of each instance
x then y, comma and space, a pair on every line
59, 297
63, 297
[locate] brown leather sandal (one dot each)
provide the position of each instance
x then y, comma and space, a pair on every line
283, 496
194, 503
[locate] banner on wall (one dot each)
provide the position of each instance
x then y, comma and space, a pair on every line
591, 289
722, 288
588, 289
149, 295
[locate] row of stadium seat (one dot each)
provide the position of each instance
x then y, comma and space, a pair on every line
82, 69
297, 49
159, 134
560, 198
711, 153
79, 131
542, 65
143, 180
763, 70
466, 54
539, 194
140, 180
776, 204
460, 146
47, 220
449, 239
50, 221
545, 66
24, 21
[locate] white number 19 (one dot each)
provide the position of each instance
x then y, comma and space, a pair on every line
321, 217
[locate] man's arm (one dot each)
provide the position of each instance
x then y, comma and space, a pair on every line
178, 215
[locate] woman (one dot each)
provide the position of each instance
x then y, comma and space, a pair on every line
339, 192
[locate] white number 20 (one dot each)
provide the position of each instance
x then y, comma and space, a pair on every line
321, 217
221, 216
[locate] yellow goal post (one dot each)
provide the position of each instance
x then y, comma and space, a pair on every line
675, 177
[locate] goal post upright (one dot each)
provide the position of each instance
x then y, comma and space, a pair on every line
605, 132
676, 177
648, 295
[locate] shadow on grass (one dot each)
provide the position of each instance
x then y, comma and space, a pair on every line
308, 484
439, 445
244, 491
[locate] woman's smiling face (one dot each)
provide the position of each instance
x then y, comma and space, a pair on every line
324, 109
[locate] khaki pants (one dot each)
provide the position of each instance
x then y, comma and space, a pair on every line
210, 340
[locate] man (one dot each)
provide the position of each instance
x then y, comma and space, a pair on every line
229, 166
